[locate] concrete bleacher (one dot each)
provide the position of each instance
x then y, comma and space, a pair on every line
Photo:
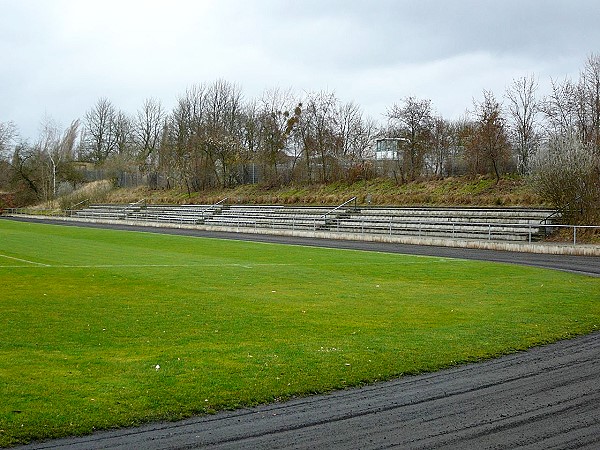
274, 217
185, 214
507, 224
102, 212
468, 223
188, 214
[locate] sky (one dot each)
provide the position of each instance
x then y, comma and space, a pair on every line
58, 57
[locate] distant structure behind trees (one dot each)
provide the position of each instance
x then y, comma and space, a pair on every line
214, 137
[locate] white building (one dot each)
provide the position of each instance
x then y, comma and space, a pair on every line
388, 148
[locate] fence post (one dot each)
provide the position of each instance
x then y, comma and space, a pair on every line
574, 235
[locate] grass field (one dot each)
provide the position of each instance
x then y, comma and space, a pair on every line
102, 328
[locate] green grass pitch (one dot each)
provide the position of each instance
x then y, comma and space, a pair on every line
103, 328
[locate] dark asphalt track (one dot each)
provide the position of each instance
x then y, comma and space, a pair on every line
547, 397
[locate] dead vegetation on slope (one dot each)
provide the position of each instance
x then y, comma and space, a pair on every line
480, 191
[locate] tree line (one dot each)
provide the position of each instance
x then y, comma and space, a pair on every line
214, 137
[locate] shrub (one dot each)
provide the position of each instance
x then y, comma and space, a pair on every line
567, 175
94, 192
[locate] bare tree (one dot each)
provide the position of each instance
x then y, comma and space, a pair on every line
441, 145
48, 145
8, 137
347, 121
147, 129
567, 176
57, 149
250, 142
412, 121
203, 138
354, 138
30, 173
221, 139
589, 93
523, 109
366, 134
463, 130
279, 114
559, 108
180, 155
123, 134
65, 154
100, 135
319, 136
574, 107
489, 143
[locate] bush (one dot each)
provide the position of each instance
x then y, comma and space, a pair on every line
567, 175
94, 192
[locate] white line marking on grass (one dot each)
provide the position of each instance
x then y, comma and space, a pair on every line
109, 266
29, 266
25, 260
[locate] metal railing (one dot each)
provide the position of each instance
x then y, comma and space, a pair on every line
213, 206
127, 209
465, 230
33, 212
516, 232
204, 212
353, 199
139, 202
72, 207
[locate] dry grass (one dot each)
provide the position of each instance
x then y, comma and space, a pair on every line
480, 191
94, 192
583, 235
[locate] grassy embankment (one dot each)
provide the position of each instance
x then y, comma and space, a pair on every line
101, 329
462, 191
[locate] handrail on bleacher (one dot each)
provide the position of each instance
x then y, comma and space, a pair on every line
324, 216
125, 209
72, 207
138, 202
214, 205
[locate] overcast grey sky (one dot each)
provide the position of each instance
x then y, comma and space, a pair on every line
58, 57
